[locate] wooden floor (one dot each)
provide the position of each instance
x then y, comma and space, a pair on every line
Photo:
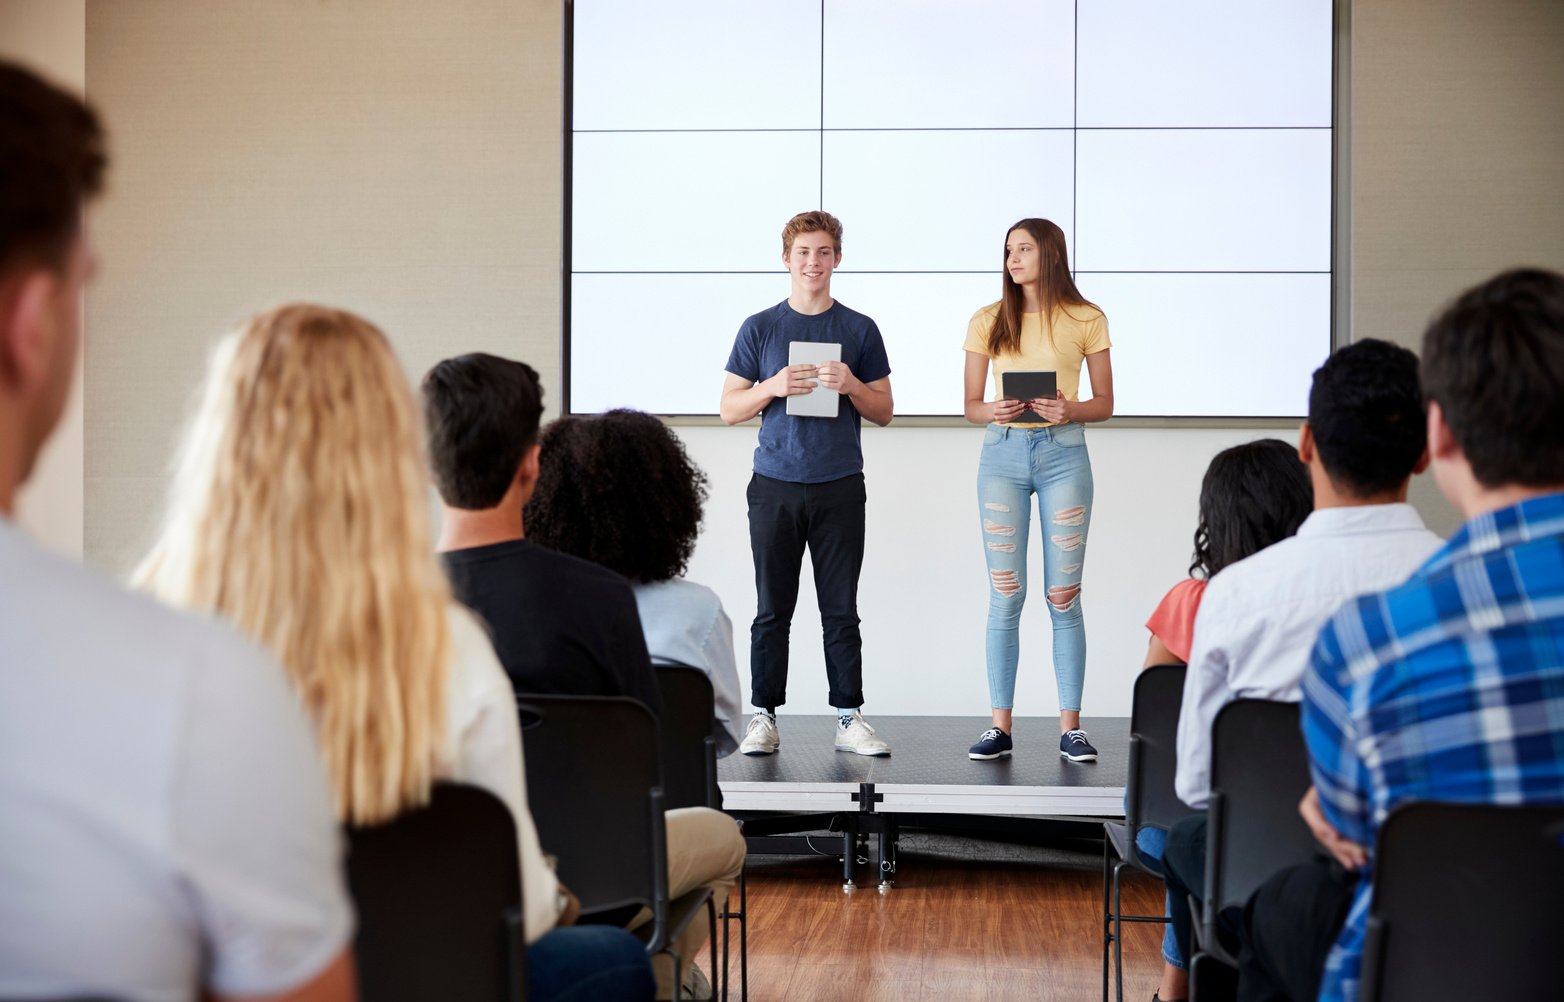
949, 930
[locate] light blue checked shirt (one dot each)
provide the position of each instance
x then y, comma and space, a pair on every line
1449, 687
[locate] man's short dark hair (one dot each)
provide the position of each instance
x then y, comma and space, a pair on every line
482, 414
1494, 363
1366, 413
52, 161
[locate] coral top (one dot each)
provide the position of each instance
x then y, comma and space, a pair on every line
1173, 622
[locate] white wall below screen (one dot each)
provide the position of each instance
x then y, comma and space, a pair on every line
923, 594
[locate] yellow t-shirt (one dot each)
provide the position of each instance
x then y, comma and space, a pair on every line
1078, 331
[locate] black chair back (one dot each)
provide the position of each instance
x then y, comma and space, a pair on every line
689, 748
594, 785
1466, 900
1149, 795
438, 895
1259, 772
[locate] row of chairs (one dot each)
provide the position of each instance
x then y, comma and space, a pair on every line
437, 890
1453, 881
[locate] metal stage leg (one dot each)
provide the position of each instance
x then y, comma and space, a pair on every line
888, 836
849, 857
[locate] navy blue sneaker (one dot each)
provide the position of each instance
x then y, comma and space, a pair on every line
1074, 746
994, 743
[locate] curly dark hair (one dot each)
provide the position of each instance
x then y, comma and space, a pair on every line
618, 489
1252, 495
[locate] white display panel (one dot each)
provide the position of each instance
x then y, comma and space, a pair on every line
1185, 150
659, 342
1204, 63
896, 183
923, 319
964, 66
696, 64
689, 201
1203, 345
1203, 200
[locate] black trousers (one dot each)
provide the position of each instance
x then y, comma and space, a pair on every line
828, 518
1288, 928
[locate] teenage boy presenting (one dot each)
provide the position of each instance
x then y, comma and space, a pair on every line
808, 487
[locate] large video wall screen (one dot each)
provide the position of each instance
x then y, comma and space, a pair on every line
1185, 149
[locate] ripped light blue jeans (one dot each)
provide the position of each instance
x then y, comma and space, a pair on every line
1052, 463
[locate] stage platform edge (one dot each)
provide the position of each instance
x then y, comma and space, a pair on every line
928, 771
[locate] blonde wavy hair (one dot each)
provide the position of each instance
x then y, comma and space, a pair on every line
298, 511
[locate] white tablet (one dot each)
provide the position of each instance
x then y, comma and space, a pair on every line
822, 402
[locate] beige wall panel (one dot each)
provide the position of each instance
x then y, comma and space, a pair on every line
1457, 159
50, 36
395, 157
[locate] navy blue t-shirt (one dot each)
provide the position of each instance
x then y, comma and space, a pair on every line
808, 450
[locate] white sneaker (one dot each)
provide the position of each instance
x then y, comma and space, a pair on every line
859, 738
760, 737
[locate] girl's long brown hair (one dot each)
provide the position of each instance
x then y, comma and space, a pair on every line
1058, 292
299, 512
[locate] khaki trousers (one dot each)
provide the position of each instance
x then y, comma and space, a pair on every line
705, 849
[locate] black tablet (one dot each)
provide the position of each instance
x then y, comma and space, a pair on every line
1028, 384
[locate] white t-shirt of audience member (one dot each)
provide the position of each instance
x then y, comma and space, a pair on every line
482, 747
1259, 617
165, 821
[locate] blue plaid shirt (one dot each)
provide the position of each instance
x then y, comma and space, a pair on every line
1449, 687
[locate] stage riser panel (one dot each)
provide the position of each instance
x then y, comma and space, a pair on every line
928, 771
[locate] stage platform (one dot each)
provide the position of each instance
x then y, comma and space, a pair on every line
928, 771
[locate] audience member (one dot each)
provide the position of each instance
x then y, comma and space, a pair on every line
298, 512
165, 825
1363, 441
1252, 495
560, 623
618, 489
1449, 687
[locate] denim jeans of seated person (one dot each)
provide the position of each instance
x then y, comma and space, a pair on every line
589, 963
1149, 842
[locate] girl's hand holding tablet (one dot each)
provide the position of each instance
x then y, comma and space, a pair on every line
1007, 410
1056, 410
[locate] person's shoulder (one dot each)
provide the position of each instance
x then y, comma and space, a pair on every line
1084, 314
848, 315
581, 573
1187, 591
765, 319
471, 643
1239, 577
682, 592
476, 673
986, 314
1188, 587
74, 607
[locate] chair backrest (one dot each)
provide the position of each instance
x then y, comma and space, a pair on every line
438, 896
1259, 772
594, 784
689, 748
1149, 797
1466, 903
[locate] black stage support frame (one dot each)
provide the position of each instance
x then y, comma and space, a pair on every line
783, 834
